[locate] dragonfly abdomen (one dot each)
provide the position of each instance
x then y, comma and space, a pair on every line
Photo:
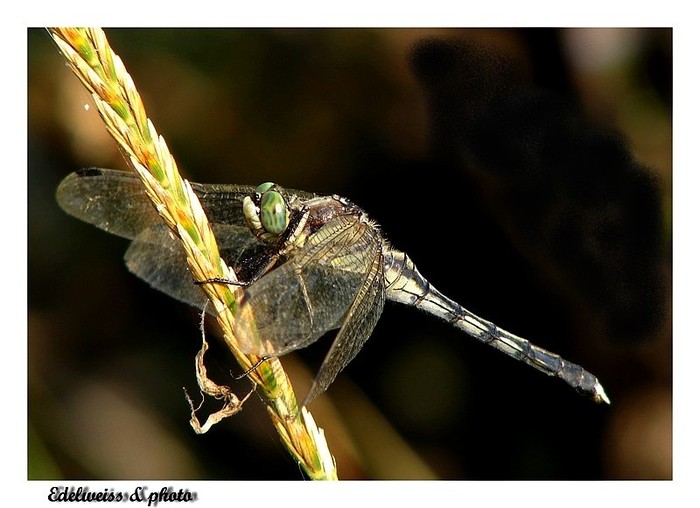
405, 284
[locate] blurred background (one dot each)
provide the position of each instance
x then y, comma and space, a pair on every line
526, 172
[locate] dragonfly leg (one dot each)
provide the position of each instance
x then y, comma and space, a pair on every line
222, 280
257, 364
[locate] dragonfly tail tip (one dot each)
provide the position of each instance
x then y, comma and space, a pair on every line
599, 394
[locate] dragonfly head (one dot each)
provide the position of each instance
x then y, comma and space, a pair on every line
266, 211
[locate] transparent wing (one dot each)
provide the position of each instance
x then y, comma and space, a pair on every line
116, 201
296, 303
111, 200
156, 256
356, 329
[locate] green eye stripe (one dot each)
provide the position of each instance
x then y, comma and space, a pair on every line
273, 212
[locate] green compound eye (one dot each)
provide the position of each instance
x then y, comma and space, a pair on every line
274, 214
264, 187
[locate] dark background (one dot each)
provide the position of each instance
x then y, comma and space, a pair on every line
526, 172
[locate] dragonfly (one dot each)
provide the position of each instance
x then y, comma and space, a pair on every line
306, 264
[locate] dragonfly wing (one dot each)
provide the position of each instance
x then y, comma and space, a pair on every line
156, 256
116, 201
111, 200
356, 329
295, 304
